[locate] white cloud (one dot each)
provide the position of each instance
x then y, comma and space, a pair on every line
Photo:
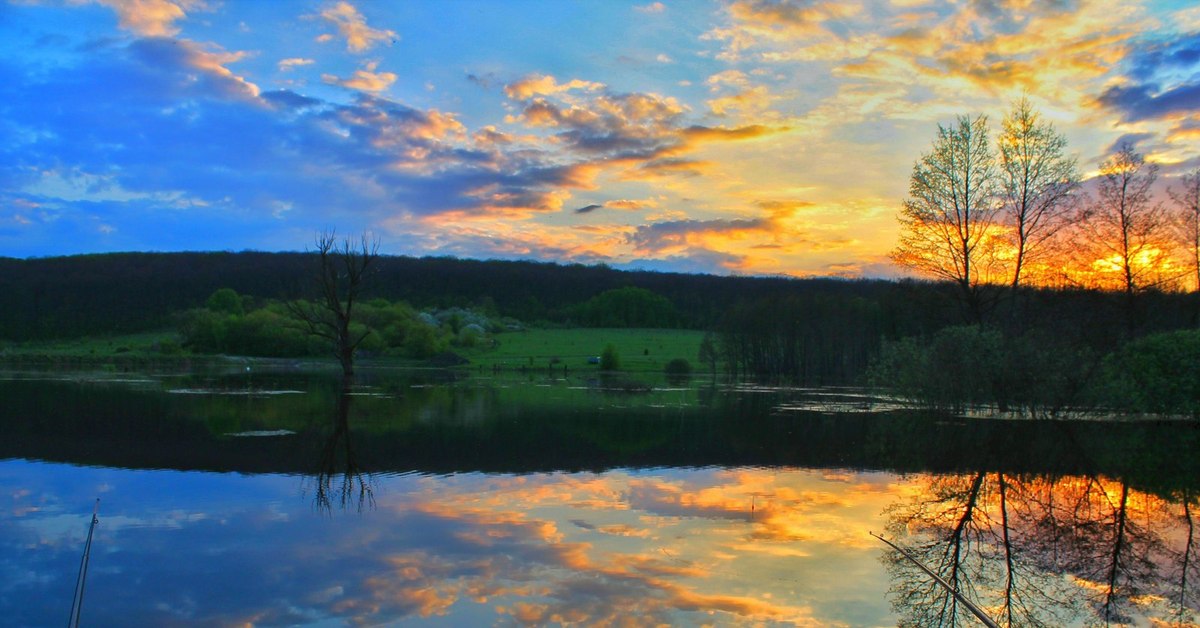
287, 65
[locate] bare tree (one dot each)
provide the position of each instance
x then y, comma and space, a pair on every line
1037, 184
973, 531
1125, 227
1187, 202
344, 269
948, 221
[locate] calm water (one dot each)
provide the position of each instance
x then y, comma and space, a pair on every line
272, 499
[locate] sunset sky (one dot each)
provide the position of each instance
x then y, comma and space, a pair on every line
740, 137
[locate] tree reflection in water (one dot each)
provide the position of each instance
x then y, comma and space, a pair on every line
339, 478
1040, 551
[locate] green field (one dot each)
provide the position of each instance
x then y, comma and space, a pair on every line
141, 344
639, 350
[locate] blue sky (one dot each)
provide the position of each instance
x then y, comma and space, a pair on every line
747, 136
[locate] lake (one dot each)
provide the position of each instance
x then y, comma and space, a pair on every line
269, 497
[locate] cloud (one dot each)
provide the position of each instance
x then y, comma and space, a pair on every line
152, 18
352, 26
1128, 139
609, 123
289, 99
164, 57
151, 134
632, 204
639, 135
1141, 102
1163, 57
1162, 80
167, 117
625, 204
366, 79
543, 85
286, 65
898, 56
697, 260
1186, 131
653, 7
788, 17
751, 102
733, 78
671, 234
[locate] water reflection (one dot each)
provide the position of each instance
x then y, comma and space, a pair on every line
339, 478
544, 502
641, 547
676, 546
1039, 551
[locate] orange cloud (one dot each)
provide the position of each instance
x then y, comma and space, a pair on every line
750, 102
366, 79
352, 26
632, 204
543, 85
152, 18
788, 19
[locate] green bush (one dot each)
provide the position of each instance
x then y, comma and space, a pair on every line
609, 360
1159, 374
958, 368
679, 367
423, 341
678, 371
225, 301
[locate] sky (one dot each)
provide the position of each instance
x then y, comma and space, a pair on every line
749, 137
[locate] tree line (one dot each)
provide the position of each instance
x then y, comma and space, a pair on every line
72, 296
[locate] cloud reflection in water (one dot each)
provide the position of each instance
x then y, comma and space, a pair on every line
644, 547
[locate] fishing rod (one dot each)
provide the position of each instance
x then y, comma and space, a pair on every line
81, 580
987, 621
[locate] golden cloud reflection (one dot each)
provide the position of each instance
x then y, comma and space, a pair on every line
777, 547
634, 548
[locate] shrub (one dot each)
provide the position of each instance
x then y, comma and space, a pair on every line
1159, 374
225, 301
609, 360
679, 367
959, 367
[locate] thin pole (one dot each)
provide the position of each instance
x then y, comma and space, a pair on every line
81, 580
987, 621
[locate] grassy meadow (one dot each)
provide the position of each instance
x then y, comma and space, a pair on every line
144, 344
638, 350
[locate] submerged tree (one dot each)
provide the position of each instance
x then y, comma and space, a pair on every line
344, 269
1043, 551
1037, 184
339, 478
708, 354
948, 221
